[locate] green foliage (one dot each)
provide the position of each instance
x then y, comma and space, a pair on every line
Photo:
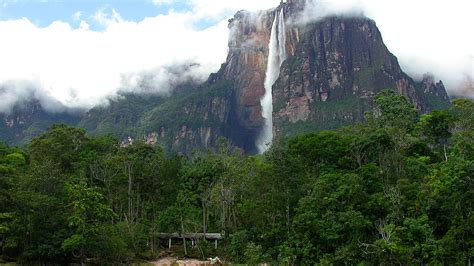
322, 150
60, 145
437, 126
121, 116
170, 113
253, 254
395, 110
331, 221
87, 213
397, 189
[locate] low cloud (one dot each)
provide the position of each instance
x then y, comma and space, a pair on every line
222, 9
164, 79
466, 88
19, 92
316, 10
426, 36
81, 68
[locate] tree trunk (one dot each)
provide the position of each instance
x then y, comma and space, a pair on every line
445, 152
184, 239
128, 167
204, 223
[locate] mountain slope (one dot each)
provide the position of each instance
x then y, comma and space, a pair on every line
121, 116
29, 120
333, 69
336, 67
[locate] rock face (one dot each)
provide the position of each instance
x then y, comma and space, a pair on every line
192, 119
333, 69
335, 66
28, 120
246, 64
434, 89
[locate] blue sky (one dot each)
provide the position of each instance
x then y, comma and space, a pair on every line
43, 12
81, 60
81, 52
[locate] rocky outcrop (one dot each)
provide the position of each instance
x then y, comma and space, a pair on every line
436, 89
246, 64
336, 65
28, 120
190, 120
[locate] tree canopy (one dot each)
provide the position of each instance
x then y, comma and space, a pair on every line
398, 188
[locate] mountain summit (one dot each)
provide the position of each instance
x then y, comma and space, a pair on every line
333, 68
283, 76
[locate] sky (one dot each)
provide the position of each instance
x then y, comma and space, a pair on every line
79, 53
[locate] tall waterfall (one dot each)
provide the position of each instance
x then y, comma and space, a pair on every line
276, 56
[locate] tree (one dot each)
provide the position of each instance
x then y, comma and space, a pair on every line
436, 127
87, 214
330, 222
395, 110
61, 145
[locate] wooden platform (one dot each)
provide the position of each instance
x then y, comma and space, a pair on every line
190, 236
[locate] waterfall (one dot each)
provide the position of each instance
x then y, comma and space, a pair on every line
281, 39
276, 56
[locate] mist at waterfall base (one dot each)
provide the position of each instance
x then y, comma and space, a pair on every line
276, 56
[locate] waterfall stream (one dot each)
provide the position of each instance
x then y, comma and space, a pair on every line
276, 56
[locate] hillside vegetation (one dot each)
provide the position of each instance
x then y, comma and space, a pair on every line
396, 189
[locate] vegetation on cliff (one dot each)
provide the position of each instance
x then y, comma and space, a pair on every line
335, 67
396, 188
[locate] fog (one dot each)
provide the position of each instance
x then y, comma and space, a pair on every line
78, 67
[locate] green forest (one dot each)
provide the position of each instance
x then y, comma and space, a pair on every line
397, 189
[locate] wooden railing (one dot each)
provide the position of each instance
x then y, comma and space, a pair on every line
190, 236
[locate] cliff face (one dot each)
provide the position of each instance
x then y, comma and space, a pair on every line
335, 66
26, 121
246, 64
191, 119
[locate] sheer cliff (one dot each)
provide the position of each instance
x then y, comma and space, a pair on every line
333, 68
327, 72
30, 119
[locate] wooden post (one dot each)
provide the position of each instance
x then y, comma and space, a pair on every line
169, 243
184, 244
215, 243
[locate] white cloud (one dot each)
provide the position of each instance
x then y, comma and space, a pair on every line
81, 67
429, 36
19, 92
106, 19
433, 36
77, 16
217, 9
